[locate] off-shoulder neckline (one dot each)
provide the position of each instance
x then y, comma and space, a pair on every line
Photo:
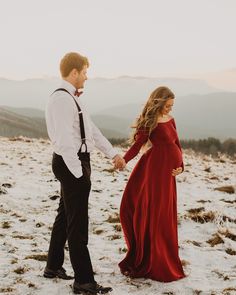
165, 121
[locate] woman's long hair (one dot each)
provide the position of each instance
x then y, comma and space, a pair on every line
152, 109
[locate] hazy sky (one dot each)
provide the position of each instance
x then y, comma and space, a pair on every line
123, 37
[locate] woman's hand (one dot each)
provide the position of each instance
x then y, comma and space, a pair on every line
177, 171
119, 162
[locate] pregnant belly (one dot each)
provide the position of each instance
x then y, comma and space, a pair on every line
166, 156
175, 156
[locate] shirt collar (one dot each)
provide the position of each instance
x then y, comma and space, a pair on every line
68, 86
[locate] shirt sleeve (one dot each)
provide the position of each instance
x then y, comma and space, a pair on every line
62, 115
102, 143
141, 138
178, 143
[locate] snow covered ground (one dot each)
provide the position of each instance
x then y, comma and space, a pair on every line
28, 203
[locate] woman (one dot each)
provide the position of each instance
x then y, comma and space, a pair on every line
148, 210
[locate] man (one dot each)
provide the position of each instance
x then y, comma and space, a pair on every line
73, 136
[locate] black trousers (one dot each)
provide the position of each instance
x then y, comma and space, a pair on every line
71, 222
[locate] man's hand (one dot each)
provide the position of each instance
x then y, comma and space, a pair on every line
119, 162
177, 171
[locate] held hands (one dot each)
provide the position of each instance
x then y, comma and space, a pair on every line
177, 171
119, 162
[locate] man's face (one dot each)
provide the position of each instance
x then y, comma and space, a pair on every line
81, 78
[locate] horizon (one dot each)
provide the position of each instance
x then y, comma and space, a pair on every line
224, 80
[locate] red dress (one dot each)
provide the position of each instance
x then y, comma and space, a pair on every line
148, 210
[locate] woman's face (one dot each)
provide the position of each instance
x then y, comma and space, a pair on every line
168, 106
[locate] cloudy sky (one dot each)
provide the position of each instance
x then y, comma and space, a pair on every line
126, 37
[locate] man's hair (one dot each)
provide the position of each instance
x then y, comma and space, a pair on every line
72, 60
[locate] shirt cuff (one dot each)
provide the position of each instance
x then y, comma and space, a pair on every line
112, 153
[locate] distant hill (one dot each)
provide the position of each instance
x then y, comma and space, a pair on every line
31, 123
117, 126
99, 92
28, 112
12, 124
197, 116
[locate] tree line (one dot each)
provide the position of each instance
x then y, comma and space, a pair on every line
210, 146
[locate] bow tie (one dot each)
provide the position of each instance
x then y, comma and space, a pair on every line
78, 93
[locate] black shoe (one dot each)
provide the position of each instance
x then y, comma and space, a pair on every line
90, 288
60, 273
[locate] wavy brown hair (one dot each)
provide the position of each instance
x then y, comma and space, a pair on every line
152, 109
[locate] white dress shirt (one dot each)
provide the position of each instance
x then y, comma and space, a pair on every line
63, 128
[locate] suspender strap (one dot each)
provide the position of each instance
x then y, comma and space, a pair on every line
81, 120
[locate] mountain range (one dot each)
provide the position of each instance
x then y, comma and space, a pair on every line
200, 110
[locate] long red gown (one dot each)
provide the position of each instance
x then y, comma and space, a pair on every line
148, 209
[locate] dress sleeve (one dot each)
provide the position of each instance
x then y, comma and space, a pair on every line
178, 143
140, 139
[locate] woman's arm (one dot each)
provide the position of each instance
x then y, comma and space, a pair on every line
140, 139
178, 144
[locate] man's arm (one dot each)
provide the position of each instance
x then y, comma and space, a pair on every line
105, 146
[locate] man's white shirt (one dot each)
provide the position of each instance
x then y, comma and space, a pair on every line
63, 128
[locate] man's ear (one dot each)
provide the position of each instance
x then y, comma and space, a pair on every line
74, 73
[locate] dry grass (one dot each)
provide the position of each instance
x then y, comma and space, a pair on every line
202, 217
228, 219
117, 227
203, 201
31, 285
20, 138
227, 189
3, 191
23, 237
20, 270
38, 257
14, 261
4, 211
228, 201
221, 275
230, 251
214, 178
196, 210
215, 240
6, 290
195, 243
123, 250
185, 263
110, 170
6, 224
113, 219
98, 231
7, 185
115, 237
97, 190
54, 197
227, 291
230, 236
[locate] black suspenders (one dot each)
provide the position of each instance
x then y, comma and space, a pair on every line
81, 121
